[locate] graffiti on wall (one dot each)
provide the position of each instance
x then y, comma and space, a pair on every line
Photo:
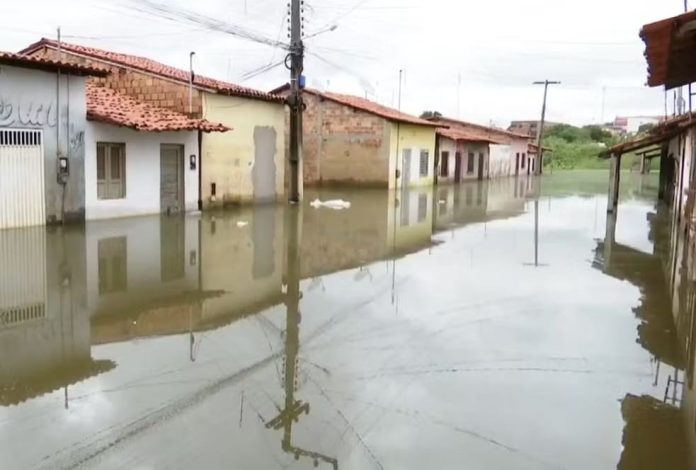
77, 140
23, 112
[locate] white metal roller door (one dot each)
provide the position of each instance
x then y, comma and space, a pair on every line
22, 200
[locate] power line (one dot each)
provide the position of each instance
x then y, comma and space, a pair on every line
181, 15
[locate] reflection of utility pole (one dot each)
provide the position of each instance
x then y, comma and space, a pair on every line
609, 239
293, 408
536, 227
540, 129
397, 175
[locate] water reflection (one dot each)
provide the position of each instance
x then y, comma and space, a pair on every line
291, 337
658, 432
45, 336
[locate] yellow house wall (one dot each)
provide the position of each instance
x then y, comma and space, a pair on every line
245, 264
228, 158
416, 138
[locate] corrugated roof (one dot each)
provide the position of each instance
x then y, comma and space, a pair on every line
112, 107
670, 50
50, 65
156, 68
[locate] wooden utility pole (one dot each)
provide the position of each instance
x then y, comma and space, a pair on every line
540, 129
295, 99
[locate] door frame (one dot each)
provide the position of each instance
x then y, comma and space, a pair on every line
457, 166
481, 164
180, 177
406, 169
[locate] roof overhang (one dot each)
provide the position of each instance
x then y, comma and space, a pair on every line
670, 50
658, 135
49, 65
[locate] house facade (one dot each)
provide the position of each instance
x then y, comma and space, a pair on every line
140, 159
468, 151
235, 168
349, 140
42, 137
462, 157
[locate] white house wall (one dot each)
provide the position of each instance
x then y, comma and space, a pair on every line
28, 100
500, 161
143, 266
142, 170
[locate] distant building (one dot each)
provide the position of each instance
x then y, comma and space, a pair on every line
530, 128
472, 151
631, 124
351, 140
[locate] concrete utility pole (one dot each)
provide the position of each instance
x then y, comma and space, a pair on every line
540, 129
295, 98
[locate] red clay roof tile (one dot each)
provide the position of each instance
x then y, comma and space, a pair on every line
156, 68
670, 50
376, 108
107, 105
464, 135
362, 104
50, 65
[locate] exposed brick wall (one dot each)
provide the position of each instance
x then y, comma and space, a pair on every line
141, 86
343, 145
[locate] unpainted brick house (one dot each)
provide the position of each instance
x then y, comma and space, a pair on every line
242, 166
353, 141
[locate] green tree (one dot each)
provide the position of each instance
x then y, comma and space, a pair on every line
430, 114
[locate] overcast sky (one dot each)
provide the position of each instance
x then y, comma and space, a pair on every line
471, 59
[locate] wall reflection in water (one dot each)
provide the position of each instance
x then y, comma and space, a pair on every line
660, 427
66, 290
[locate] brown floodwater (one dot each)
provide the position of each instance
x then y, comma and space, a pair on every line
499, 325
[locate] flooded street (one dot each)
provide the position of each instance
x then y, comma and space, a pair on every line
500, 325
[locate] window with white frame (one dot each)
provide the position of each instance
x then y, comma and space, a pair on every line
111, 170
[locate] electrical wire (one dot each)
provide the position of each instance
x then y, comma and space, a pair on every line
180, 15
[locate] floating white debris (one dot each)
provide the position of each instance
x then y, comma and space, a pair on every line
336, 204
442, 201
241, 223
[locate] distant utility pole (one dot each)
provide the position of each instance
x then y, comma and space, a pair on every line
295, 99
540, 129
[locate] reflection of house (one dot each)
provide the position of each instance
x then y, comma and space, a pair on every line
141, 265
139, 159
411, 227
44, 325
338, 240
42, 128
352, 140
241, 166
472, 151
474, 202
242, 259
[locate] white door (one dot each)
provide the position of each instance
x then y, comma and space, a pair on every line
22, 200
